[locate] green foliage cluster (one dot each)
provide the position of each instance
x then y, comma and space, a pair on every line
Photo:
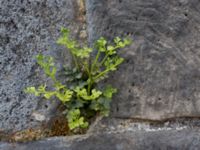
79, 91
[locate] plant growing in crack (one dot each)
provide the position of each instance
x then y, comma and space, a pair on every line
79, 91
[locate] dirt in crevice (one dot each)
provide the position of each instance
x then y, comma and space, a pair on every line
80, 18
58, 126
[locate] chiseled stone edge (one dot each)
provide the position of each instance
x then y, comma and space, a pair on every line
127, 140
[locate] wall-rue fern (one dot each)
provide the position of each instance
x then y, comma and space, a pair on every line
79, 91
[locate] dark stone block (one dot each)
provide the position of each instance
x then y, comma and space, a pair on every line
160, 78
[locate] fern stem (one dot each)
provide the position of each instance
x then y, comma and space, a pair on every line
75, 61
104, 72
95, 61
104, 59
101, 74
90, 84
106, 56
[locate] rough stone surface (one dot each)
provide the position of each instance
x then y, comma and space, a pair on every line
160, 78
28, 27
109, 124
126, 140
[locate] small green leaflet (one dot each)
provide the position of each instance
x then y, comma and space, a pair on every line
73, 46
101, 44
64, 96
75, 120
109, 91
32, 90
83, 93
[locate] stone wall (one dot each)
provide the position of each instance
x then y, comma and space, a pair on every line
160, 78
29, 27
157, 106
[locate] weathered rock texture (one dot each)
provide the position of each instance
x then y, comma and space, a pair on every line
159, 140
28, 27
160, 78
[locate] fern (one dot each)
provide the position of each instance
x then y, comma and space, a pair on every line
79, 91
